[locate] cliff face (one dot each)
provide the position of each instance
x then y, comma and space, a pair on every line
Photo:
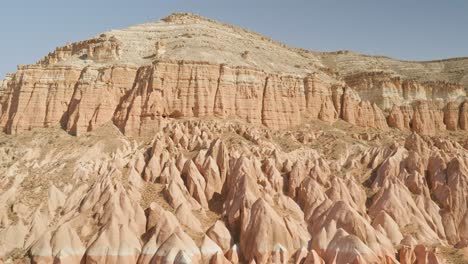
37, 97
136, 98
428, 118
192, 89
133, 98
386, 90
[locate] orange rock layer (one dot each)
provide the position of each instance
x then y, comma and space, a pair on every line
136, 99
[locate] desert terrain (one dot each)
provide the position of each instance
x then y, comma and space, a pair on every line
187, 140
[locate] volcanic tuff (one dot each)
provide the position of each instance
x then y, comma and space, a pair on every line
194, 141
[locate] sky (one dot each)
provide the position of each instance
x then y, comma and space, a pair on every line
402, 29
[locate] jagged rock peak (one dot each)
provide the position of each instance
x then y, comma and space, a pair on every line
183, 17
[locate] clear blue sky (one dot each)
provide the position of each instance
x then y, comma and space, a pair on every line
403, 29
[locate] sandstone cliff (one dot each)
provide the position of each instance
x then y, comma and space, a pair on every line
136, 98
133, 98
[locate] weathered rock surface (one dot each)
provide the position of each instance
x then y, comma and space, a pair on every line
254, 202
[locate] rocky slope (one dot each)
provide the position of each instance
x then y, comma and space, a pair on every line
188, 66
191, 141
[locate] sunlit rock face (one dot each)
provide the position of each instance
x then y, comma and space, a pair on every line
191, 141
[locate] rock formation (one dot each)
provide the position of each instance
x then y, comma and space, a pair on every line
191, 141
138, 76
